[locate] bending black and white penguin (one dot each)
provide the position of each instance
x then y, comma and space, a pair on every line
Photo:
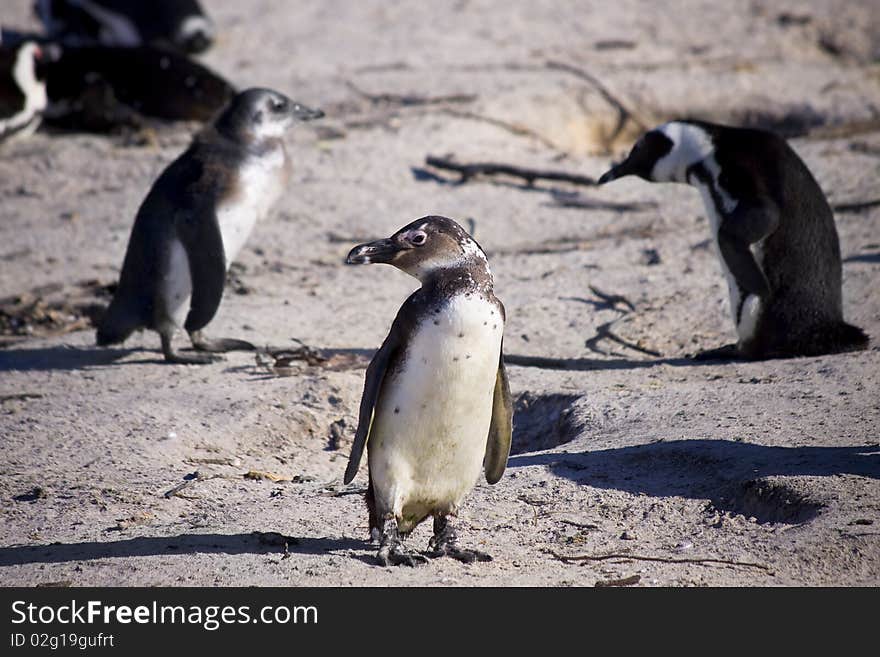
773, 229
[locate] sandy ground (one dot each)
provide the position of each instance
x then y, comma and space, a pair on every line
720, 475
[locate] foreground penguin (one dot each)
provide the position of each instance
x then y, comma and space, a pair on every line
22, 90
436, 406
127, 23
773, 229
195, 220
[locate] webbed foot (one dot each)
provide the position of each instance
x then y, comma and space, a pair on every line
172, 356
444, 543
392, 551
218, 345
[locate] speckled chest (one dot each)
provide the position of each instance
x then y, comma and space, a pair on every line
429, 434
442, 389
260, 181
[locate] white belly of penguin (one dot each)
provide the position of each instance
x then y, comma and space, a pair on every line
428, 438
748, 320
177, 284
260, 185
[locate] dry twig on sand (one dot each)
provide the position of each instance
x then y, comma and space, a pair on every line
623, 581
513, 128
855, 206
21, 396
468, 171
624, 113
410, 100
572, 558
193, 479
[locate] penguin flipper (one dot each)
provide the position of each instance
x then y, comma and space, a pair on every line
372, 386
200, 235
500, 429
740, 229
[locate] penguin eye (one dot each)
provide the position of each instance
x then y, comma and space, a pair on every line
279, 105
418, 238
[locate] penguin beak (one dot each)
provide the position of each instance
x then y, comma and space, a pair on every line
615, 172
303, 113
380, 251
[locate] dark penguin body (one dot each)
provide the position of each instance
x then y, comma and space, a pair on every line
195, 220
773, 229
22, 90
436, 406
181, 24
100, 89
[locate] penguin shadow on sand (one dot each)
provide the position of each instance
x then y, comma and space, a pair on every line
261, 543
734, 477
61, 357
590, 364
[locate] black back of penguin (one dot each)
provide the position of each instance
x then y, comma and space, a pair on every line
801, 257
89, 86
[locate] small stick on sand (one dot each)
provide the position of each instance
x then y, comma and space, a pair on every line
855, 206
193, 478
512, 128
623, 112
20, 395
570, 558
410, 100
468, 171
624, 581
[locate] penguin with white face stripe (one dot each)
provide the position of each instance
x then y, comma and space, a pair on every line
436, 406
195, 220
773, 230
181, 24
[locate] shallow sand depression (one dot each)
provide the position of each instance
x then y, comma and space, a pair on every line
630, 463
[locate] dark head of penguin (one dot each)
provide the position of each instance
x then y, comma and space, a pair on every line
421, 248
181, 24
648, 150
258, 114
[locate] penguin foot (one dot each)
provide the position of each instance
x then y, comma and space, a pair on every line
172, 356
727, 352
218, 345
398, 555
444, 543
392, 551
194, 359
464, 555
